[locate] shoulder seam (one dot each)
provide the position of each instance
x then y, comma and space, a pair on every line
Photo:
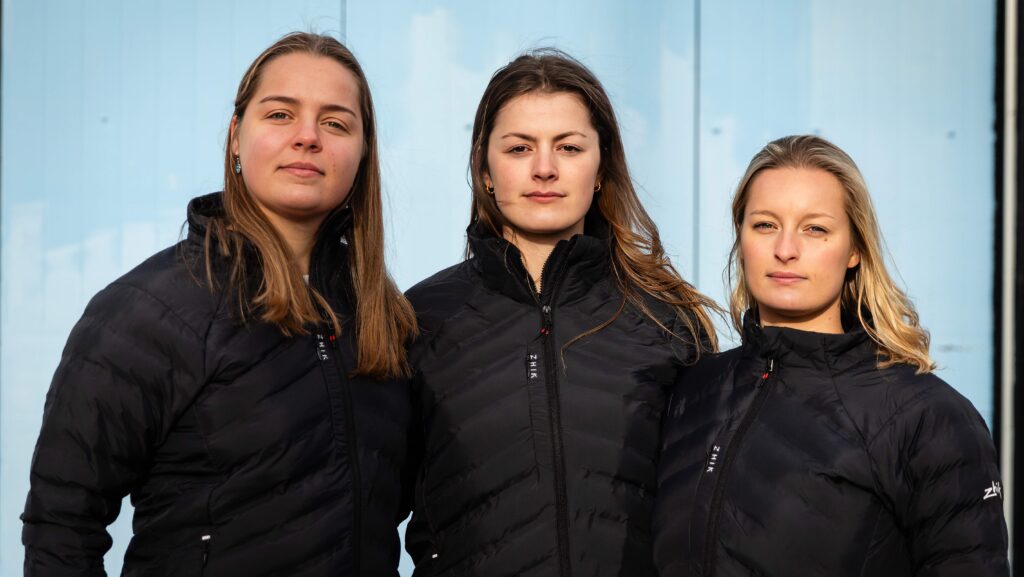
166, 306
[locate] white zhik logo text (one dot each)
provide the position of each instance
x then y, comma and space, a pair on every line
713, 459
996, 490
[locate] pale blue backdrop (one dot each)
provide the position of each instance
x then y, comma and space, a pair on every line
114, 114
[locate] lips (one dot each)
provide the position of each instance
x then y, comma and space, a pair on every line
543, 196
785, 277
303, 169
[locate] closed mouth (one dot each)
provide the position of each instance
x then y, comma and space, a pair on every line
303, 166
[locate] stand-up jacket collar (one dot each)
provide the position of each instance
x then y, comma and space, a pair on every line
796, 348
572, 268
329, 258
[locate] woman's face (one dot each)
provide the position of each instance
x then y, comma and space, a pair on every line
543, 158
796, 245
300, 140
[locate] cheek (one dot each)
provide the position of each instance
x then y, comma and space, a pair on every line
500, 171
832, 267
346, 152
750, 253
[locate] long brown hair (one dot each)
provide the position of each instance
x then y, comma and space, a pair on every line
869, 293
638, 260
384, 318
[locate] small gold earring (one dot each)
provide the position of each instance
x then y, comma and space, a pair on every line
490, 190
597, 187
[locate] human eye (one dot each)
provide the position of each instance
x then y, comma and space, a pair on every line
336, 125
570, 148
278, 115
817, 230
764, 226
517, 149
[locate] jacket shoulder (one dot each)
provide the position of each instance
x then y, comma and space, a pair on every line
710, 370
685, 333
882, 399
176, 283
439, 296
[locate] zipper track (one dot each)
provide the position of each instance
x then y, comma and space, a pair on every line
347, 406
353, 455
345, 384
764, 387
558, 450
555, 263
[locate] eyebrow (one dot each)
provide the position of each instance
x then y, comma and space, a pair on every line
529, 138
295, 102
806, 216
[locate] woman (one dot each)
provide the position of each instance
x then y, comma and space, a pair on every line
245, 411
545, 357
824, 445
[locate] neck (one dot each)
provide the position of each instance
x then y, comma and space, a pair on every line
535, 250
299, 237
828, 321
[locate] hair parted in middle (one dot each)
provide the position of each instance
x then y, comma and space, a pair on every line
869, 293
638, 259
384, 318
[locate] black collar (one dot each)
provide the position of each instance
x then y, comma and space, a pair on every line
573, 267
329, 264
796, 348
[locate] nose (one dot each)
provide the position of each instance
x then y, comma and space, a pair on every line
307, 136
786, 247
544, 168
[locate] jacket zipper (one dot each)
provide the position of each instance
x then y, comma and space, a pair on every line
554, 407
206, 552
543, 298
763, 388
346, 400
353, 454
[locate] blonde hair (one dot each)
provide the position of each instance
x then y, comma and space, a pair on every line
883, 310
638, 259
384, 318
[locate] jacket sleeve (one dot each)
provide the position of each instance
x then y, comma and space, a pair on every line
129, 362
938, 467
689, 340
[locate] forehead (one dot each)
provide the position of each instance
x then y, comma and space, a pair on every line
307, 77
794, 191
543, 112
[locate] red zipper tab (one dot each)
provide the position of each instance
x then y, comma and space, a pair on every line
768, 370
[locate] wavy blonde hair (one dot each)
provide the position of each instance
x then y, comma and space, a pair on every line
886, 313
638, 259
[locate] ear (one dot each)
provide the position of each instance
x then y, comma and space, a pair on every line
854, 259
233, 132
487, 180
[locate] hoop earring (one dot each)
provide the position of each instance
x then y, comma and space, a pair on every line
238, 165
597, 188
490, 190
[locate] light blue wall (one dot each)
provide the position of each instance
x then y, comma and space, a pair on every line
114, 114
907, 88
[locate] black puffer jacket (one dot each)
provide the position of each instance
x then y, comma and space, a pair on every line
245, 452
540, 459
796, 455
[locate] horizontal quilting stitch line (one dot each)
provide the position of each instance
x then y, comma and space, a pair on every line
616, 444
480, 507
513, 532
478, 417
452, 480
483, 374
166, 306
